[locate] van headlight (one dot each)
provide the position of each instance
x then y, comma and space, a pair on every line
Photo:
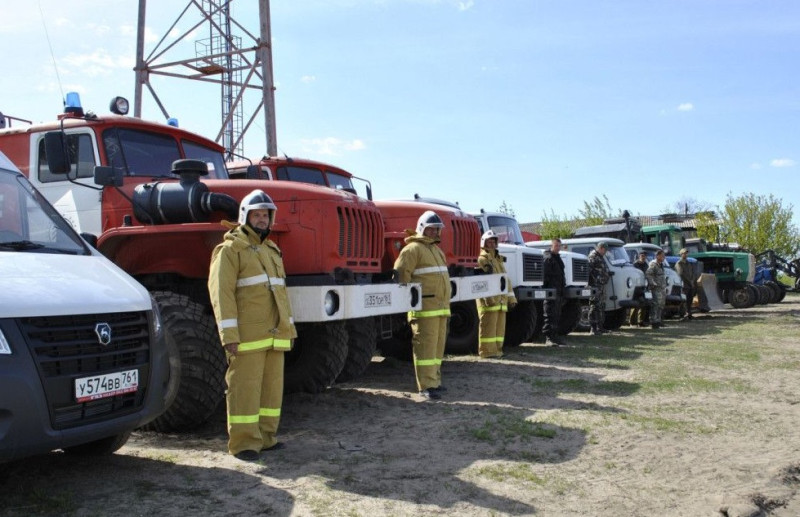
156, 324
629, 282
5, 348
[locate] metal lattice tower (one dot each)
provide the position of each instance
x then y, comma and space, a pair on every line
231, 56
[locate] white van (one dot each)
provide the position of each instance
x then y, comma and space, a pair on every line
82, 362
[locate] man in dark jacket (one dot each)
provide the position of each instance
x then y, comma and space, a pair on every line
640, 315
553, 269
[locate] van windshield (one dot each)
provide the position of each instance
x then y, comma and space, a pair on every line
28, 223
506, 229
617, 255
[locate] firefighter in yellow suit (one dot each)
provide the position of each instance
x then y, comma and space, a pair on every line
492, 311
423, 262
247, 285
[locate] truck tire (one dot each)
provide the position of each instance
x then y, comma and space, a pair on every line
570, 317
463, 335
101, 447
520, 324
317, 358
614, 319
362, 342
198, 371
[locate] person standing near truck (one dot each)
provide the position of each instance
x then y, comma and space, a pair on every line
554, 278
492, 310
657, 282
685, 271
247, 286
640, 315
598, 278
421, 261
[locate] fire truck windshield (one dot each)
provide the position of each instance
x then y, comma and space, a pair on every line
145, 153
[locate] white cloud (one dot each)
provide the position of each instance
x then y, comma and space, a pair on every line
97, 63
331, 146
686, 106
465, 6
755, 166
308, 78
782, 162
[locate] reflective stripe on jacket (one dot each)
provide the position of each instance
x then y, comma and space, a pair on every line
247, 286
422, 261
492, 262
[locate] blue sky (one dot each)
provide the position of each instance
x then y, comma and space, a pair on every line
541, 104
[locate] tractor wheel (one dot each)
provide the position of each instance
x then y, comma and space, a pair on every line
774, 291
363, 340
197, 363
520, 324
101, 447
742, 298
764, 294
614, 319
570, 317
317, 358
463, 335
783, 291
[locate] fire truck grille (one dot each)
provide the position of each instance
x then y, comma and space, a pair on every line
67, 348
580, 270
466, 241
532, 268
360, 233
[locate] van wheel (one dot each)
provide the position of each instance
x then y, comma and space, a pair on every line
570, 317
462, 337
520, 323
614, 319
317, 358
101, 447
197, 363
363, 340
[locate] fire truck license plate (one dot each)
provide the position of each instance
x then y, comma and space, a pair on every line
377, 300
648, 295
108, 385
586, 292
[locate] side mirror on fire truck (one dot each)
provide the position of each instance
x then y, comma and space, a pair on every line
107, 176
55, 148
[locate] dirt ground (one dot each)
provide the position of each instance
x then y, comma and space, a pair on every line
698, 419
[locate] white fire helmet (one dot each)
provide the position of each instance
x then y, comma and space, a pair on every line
489, 234
257, 200
429, 218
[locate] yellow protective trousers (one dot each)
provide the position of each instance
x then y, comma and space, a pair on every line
429, 336
492, 330
255, 393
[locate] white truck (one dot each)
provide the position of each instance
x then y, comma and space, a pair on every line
675, 299
83, 360
524, 265
627, 285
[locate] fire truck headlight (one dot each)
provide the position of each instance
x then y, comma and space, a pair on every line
119, 105
331, 303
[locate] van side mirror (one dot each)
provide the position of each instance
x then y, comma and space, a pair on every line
107, 176
55, 148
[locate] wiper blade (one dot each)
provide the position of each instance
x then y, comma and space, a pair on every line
21, 245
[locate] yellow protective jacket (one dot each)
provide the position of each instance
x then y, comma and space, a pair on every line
247, 285
422, 261
492, 262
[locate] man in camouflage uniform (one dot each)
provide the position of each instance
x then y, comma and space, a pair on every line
657, 283
598, 278
685, 271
